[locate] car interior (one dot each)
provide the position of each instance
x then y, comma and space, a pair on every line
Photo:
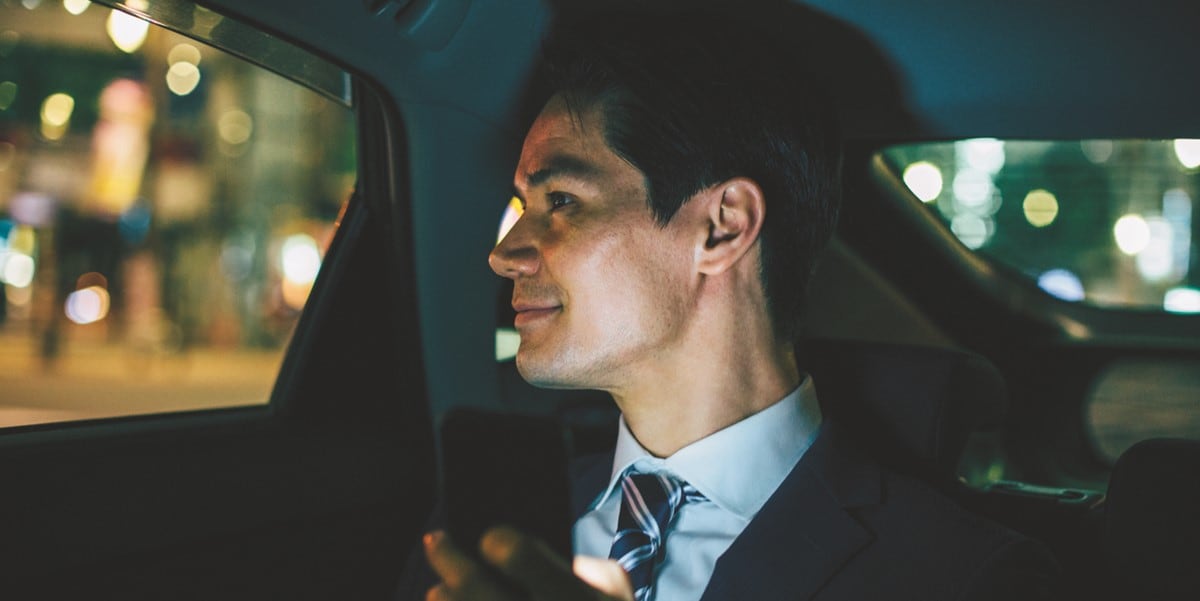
243, 277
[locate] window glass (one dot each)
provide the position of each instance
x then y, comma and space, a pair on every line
1106, 222
164, 210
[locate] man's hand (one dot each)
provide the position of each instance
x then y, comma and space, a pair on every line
526, 561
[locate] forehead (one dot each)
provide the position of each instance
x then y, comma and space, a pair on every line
560, 136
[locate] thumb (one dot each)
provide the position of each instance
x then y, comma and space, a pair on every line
605, 575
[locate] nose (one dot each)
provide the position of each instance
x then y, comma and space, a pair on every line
517, 254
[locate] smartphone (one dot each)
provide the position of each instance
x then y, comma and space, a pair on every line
506, 469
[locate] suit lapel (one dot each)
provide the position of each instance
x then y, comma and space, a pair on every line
803, 535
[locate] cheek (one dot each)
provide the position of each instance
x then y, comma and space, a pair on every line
631, 285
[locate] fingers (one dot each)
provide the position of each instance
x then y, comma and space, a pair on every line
605, 575
454, 567
534, 565
463, 579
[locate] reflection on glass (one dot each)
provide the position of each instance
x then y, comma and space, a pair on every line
1116, 215
164, 212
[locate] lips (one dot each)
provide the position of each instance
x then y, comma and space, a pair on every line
528, 313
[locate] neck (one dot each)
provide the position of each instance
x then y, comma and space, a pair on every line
719, 381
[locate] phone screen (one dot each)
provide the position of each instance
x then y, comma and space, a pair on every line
506, 469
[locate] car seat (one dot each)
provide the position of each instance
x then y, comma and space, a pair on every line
1152, 521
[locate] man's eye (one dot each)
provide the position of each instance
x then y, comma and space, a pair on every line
559, 200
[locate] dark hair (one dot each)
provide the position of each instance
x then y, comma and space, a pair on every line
692, 99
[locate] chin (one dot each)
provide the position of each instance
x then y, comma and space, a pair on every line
548, 370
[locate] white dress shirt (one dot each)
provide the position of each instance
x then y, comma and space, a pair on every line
737, 469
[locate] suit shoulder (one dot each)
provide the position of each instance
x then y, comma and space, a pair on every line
921, 535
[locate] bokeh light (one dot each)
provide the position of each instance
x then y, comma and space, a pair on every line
1041, 208
924, 179
88, 305
126, 31
1188, 152
973, 188
1132, 234
981, 154
182, 78
300, 258
16, 268
76, 7
1061, 283
56, 115
1182, 300
1156, 260
235, 127
57, 108
973, 231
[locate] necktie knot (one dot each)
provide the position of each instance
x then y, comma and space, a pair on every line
649, 503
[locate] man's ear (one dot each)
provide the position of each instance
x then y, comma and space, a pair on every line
735, 212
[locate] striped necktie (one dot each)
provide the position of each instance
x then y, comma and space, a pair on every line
649, 502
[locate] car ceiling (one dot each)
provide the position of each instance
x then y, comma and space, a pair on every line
1002, 68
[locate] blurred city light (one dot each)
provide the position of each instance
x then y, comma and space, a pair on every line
1188, 152
16, 268
508, 341
512, 213
1061, 283
88, 305
973, 188
1041, 208
1182, 300
1097, 151
973, 231
126, 31
76, 7
23, 239
56, 115
1132, 234
924, 179
235, 126
182, 78
8, 93
982, 154
32, 208
31, 4
300, 258
1155, 261
184, 53
1177, 210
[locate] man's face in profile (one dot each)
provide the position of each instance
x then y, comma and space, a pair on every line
600, 289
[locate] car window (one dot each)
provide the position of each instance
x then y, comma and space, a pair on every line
164, 210
1104, 222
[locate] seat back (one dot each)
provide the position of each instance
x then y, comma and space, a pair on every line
915, 405
1152, 521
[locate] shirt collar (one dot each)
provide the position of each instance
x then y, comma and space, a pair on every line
739, 467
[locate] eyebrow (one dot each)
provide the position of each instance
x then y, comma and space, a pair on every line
562, 165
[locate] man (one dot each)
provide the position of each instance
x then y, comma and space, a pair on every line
677, 189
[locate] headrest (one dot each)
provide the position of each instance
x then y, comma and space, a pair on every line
915, 406
1152, 519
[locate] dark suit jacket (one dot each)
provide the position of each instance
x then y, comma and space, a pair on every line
842, 527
